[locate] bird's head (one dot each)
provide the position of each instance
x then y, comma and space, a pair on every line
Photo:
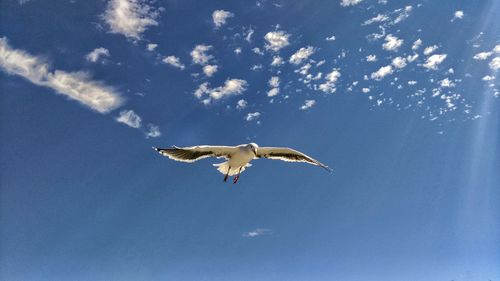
253, 146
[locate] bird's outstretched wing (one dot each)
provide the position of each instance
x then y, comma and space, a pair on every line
288, 155
195, 153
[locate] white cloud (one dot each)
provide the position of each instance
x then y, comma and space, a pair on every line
256, 67
412, 58
258, 51
220, 16
274, 81
130, 17
392, 43
331, 38
96, 54
416, 44
277, 61
257, 232
251, 117
273, 92
230, 88
495, 64
74, 85
457, 15
488, 78
365, 90
130, 118
173, 61
209, 69
433, 61
308, 104
497, 49
446, 83
345, 3
378, 18
371, 58
382, 72
331, 78
276, 40
429, 50
482, 55
237, 51
301, 55
412, 82
399, 62
199, 54
241, 104
153, 131
248, 36
151, 47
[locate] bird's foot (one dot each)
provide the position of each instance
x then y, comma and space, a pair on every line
235, 180
225, 178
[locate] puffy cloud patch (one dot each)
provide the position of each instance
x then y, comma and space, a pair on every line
416, 44
382, 72
482, 55
209, 69
241, 104
308, 104
399, 62
277, 61
276, 40
392, 43
230, 88
220, 16
174, 61
200, 55
251, 117
429, 50
301, 55
433, 61
495, 64
329, 85
371, 58
457, 15
130, 17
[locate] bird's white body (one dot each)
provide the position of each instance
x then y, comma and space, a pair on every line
238, 157
238, 161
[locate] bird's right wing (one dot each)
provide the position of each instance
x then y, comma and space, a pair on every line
288, 155
195, 153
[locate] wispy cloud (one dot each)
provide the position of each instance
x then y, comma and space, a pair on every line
252, 116
130, 118
346, 3
308, 104
74, 85
257, 232
130, 17
96, 54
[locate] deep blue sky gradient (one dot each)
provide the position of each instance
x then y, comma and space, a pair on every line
86, 198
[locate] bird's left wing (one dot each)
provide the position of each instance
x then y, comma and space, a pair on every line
195, 153
288, 155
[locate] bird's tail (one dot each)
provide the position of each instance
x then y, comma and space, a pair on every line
224, 167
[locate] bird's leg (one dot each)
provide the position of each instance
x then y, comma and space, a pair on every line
227, 174
235, 180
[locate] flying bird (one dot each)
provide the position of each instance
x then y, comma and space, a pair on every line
238, 157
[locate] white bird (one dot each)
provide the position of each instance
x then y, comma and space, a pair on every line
238, 157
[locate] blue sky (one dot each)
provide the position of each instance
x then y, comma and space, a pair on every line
400, 98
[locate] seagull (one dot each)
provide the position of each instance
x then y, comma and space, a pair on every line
238, 157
